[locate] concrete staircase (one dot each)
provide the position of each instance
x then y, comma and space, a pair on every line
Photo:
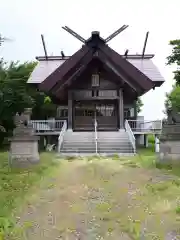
83, 143
114, 142
78, 142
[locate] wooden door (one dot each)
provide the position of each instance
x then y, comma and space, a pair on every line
107, 117
85, 114
83, 117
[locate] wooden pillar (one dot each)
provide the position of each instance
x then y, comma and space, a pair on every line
146, 143
121, 109
70, 110
135, 110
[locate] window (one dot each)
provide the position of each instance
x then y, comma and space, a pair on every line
95, 80
107, 93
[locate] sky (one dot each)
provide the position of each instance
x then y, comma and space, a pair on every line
23, 21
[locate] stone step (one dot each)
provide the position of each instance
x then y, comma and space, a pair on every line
114, 147
98, 133
99, 151
116, 151
98, 143
99, 139
82, 151
113, 140
79, 137
83, 144
113, 135
93, 154
80, 134
78, 140
108, 142
93, 149
78, 147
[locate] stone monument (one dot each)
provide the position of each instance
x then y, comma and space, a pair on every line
169, 148
24, 143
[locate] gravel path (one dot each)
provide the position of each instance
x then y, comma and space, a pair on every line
87, 201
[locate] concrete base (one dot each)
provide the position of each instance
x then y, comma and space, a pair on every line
121, 130
69, 130
24, 151
169, 152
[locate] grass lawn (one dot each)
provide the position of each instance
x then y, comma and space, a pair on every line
126, 198
15, 186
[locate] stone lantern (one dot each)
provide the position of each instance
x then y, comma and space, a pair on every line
24, 143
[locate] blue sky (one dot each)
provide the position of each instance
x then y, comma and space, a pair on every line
23, 21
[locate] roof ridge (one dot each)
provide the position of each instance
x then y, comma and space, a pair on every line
130, 56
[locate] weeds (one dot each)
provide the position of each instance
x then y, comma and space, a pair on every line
178, 210
15, 184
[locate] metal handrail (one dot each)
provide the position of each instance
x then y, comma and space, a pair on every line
61, 135
95, 131
49, 125
143, 125
130, 135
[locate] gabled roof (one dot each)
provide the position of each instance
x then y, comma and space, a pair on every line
63, 69
127, 68
148, 68
46, 66
55, 71
73, 74
43, 69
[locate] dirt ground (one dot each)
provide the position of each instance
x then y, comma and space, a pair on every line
101, 199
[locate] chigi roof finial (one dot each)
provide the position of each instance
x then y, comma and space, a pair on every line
110, 37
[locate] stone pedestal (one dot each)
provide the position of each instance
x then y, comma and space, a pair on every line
24, 143
169, 147
24, 151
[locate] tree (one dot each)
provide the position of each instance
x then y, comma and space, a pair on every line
139, 105
174, 58
16, 94
173, 97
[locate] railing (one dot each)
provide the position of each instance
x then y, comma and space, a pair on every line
61, 135
131, 135
47, 125
96, 137
145, 126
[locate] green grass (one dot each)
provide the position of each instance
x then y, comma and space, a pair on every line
147, 158
15, 184
154, 196
122, 193
151, 139
178, 209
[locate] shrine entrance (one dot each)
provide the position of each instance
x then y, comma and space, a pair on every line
85, 113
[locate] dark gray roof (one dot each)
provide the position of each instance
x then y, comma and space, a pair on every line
45, 67
148, 68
